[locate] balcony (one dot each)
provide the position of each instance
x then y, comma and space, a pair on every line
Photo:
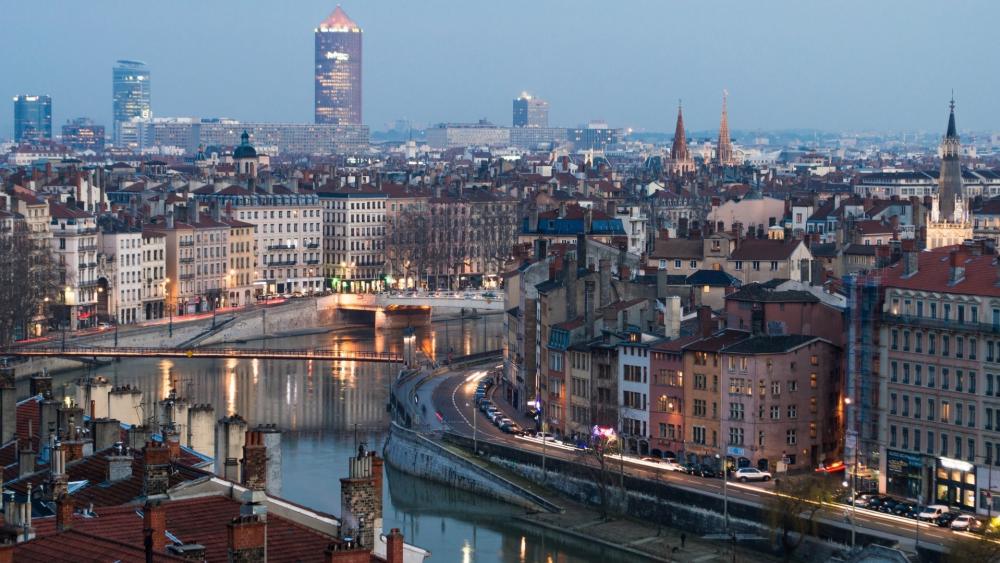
186, 243
87, 284
187, 276
283, 263
188, 260
87, 248
941, 324
312, 245
312, 262
281, 247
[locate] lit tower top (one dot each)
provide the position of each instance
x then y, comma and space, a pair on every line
338, 70
339, 21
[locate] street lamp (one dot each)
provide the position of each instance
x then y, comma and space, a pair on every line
170, 308
854, 478
725, 495
475, 441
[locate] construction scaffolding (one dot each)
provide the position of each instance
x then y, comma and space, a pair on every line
864, 293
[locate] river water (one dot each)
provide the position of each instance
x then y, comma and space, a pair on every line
324, 408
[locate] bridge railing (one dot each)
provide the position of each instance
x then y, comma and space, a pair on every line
273, 353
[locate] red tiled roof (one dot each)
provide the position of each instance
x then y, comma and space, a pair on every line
203, 521
934, 272
872, 227
60, 211
80, 546
718, 341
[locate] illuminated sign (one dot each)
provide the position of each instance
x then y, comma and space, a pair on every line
338, 56
958, 464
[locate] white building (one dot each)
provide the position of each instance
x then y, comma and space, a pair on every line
74, 238
124, 267
354, 236
633, 390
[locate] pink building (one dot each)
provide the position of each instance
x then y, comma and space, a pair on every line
780, 401
666, 397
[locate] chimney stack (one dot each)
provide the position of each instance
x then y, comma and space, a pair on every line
64, 512
911, 258
956, 261
361, 508
156, 465
119, 463
154, 523
247, 539
254, 461
394, 546
8, 405
705, 324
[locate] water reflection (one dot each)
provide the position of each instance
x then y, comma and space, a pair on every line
325, 408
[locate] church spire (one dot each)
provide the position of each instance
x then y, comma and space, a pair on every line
952, 131
680, 159
951, 188
724, 148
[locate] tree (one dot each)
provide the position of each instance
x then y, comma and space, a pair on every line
604, 447
791, 510
27, 277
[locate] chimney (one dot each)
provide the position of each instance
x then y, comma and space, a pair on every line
541, 249
41, 384
170, 218
661, 283
154, 523
346, 552
394, 546
173, 443
360, 508
156, 466
247, 539
588, 307
25, 458
7, 545
604, 277
757, 319
8, 405
119, 463
254, 462
705, 324
105, 432
192, 211
588, 220
956, 261
581, 251
911, 258
64, 512
569, 281
672, 316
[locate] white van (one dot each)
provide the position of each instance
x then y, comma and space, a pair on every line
932, 512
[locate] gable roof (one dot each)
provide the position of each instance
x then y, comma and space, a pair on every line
764, 249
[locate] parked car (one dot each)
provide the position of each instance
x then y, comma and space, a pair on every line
906, 510
933, 512
946, 519
863, 500
708, 471
745, 474
966, 523
651, 459
510, 428
888, 505
670, 465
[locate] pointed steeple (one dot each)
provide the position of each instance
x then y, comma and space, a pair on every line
952, 131
724, 148
680, 158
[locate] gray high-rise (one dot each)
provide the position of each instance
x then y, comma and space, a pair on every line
32, 118
530, 111
131, 94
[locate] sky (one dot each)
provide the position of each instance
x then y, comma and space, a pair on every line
840, 65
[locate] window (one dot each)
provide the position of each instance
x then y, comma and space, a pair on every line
793, 385
930, 376
774, 265
906, 373
930, 442
972, 348
893, 371
793, 411
906, 438
775, 387
931, 341
699, 407
918, 374
945, 345
916, 407
906, 405
892, 403
944, 445
632, 373
739, 265
699, 381
790, 438
930, 409
736, 411
918, 342
698, 434
972, 416
894, 339
916, 439
945, 411
972, 382
775, 412
736, 436
756, 265
556, 361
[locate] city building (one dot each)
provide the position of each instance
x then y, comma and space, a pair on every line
354, 236
338, 70
939, 436
130, 90
120, 296
154, 274
457, 135
83, 135
32, 118
595, 136
951, 224
531, 138
75, 243
530, 111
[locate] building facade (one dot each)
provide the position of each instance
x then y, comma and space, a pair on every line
131, 101
83, 135
32, 118
530, 111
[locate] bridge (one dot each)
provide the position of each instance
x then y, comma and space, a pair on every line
328, 355
389, 301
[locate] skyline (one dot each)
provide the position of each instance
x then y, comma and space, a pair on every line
901, 81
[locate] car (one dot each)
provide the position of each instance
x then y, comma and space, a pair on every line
670, 465
707, 471
745, 474
501, 420
863, 500
966, 523
888, 505
907, 510
932, 512
510, 428
946, 519
651, 459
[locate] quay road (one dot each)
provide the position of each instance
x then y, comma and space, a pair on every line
157, 352
454, 391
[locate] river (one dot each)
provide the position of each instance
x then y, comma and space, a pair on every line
323, 408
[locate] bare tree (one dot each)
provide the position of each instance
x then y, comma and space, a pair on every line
598, 458
984, 548
791, 511
27, 277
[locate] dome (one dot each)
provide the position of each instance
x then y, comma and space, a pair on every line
245, 150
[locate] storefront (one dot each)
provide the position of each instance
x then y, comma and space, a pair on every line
904, 474
955, 483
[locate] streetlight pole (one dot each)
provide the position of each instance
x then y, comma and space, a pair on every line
475, 441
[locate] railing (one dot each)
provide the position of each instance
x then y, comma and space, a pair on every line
312, 262
87, 247
943, 324
186, 276
270, 354
312, 245
186, 243
281, 247
186, 260
285, 263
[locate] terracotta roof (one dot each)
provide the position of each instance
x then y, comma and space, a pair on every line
59, 211
934, 273
203, 521
761, 249
675, 345
76, 545
872, 227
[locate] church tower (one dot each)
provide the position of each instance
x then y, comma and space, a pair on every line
724, 150
951, 200
680, 158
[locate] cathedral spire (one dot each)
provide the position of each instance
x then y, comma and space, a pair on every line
952, 131
951, 189
724, 149
680, 158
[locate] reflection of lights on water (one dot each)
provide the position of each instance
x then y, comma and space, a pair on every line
254, 369
524, 547
166, 367
466, 552
231, 392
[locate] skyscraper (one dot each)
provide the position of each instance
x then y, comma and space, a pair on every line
32, 118
338, 70
131, 95
530, 111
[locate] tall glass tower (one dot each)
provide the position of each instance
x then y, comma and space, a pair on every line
130, 92
338, 70
32, 118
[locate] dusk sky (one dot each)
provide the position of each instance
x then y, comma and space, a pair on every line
787, 64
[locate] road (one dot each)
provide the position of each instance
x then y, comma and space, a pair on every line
453, 400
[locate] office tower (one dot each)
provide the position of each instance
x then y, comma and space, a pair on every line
338, 70
82, 134
530, 111
32, 118
131, 95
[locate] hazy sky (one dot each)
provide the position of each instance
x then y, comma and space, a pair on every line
873, 65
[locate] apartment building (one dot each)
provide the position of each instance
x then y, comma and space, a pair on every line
154, 274
940, 385
75, 243
633, 391
121, 293
240, 277
703, 371
354, 236
666, 397
762, 260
